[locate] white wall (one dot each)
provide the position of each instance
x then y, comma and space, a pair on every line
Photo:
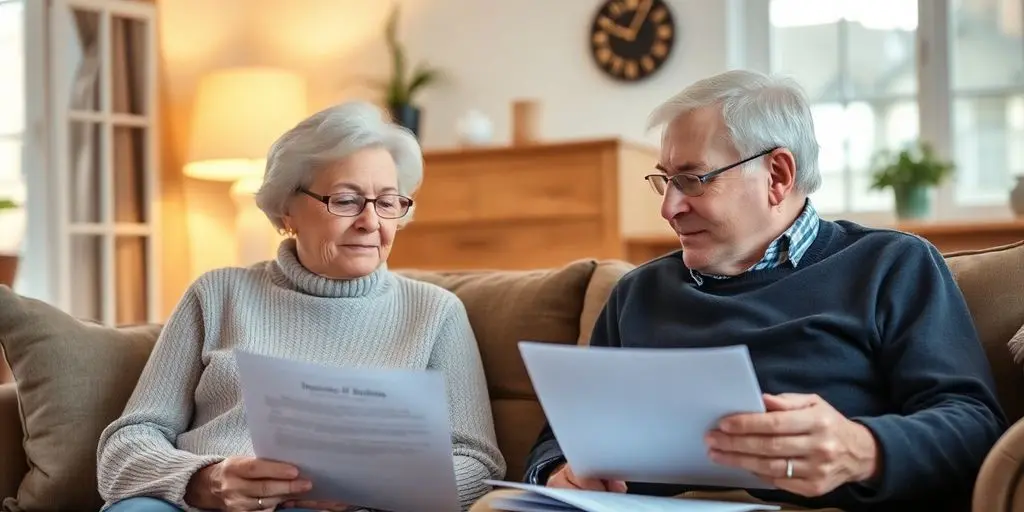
493, 51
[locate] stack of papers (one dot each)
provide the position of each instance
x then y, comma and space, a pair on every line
546, 499
641, 415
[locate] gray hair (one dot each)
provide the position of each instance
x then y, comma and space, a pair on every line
760, 111
326, 137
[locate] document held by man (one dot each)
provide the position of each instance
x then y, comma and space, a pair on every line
641, 415
547, 499
369, 437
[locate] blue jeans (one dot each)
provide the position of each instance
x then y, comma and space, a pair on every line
143, 504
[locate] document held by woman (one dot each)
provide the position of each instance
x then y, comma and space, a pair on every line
369, 437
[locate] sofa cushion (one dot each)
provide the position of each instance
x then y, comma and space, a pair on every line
504, 308
606, 276
73, 379
992, 281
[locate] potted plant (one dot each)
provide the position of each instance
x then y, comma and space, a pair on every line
8, 262
911, 173
403, 85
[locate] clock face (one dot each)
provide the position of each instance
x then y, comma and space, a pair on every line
632, 39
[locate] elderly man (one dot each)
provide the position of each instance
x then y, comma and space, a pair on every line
878, 394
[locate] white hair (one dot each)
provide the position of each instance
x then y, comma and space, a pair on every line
326, 137
761, 112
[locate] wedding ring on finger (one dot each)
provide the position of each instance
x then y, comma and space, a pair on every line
789, 468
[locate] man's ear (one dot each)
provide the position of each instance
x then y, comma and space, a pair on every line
781, 175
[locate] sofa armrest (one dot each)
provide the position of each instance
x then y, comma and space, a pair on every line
1000, 478
12, 450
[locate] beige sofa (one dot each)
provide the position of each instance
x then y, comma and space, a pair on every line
74, 377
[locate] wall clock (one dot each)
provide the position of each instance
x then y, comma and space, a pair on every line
631, 39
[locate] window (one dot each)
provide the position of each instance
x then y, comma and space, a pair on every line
12, 121
883, 73
987, 89
88, 99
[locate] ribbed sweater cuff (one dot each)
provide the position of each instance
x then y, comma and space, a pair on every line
156, 470
470, 474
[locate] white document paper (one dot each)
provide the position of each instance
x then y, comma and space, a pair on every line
369, 437
641, 415
546, 499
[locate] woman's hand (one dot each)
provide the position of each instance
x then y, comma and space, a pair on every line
245, 484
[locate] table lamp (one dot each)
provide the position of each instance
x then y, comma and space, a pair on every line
238, 114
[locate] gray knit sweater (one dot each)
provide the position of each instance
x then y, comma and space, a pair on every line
186, 411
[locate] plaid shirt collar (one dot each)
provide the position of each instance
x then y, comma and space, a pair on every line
789, 247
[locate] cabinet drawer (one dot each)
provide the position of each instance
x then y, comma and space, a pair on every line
444, 197
512, 188
502, 247
556, 187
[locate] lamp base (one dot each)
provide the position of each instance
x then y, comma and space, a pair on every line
256, 239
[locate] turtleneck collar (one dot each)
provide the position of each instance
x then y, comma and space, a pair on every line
302, 279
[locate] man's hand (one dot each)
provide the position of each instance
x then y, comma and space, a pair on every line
245, 483
826, 450
563, 478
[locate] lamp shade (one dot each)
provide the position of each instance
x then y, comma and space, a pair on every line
238, 114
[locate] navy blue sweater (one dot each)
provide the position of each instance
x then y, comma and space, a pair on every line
871, 320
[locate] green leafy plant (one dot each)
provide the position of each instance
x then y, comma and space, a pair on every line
916, 166
403, 84
7, 204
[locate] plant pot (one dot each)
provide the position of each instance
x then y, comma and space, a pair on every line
912, 202
408, 116
8, 269
1017, 197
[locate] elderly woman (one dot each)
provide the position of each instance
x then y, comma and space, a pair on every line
338, 185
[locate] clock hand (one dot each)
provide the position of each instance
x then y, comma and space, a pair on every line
641, 14
614, 29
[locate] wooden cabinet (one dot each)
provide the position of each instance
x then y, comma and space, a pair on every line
522, 207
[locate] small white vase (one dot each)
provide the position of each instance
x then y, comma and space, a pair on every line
1017, 197
475, 129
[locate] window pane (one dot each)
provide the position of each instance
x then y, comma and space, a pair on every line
830, 128
85, 170
881, 47
131, 260
986, 47
87, 284
895, 126
11, 184
831, 197
805, 43
12, 68
989, 145
83, 50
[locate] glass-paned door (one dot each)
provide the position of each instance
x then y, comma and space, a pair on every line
104, 95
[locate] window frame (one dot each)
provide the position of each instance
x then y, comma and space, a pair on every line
935, 98
45, 270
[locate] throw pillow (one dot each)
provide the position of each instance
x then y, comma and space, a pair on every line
74, 378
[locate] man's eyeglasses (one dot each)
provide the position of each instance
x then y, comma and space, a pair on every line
693, 184
347, 204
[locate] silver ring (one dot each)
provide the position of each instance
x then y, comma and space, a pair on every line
789, 468
259, 502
